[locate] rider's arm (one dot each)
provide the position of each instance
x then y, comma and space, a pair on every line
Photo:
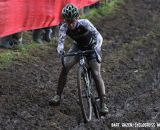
62, 36
95, 33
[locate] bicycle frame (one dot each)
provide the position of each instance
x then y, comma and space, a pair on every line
82, 61
87, 78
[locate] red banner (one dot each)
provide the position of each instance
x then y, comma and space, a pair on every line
21, 15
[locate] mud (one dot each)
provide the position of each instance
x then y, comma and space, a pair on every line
130, 68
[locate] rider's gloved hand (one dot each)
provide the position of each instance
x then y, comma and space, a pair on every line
60, 50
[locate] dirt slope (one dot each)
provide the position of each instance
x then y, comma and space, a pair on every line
131, 70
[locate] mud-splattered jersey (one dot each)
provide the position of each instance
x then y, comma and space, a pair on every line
84, 34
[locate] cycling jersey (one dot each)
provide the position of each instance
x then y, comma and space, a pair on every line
84, 34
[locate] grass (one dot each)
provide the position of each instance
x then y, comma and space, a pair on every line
21, 52
106, 10
5, 59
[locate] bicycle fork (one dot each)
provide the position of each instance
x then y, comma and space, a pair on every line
86, 77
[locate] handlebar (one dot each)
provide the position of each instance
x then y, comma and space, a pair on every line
74, 54
78, 53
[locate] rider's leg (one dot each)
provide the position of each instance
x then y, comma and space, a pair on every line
95, 67
69, 62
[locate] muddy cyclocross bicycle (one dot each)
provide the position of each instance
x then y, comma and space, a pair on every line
88, 97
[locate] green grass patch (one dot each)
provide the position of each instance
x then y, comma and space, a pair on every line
106, 10
25, 49
23, 52
5, 59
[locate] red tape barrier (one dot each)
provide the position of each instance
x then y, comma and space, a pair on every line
22, 15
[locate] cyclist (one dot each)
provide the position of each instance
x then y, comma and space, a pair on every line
86, 37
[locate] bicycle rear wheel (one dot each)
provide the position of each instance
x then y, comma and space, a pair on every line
84, 93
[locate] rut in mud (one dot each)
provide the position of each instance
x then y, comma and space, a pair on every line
130, 68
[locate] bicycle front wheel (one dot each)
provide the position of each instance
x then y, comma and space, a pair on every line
84, 94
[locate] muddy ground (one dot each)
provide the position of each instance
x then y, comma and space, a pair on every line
130, 68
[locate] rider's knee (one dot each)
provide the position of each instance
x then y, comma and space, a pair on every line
97, 75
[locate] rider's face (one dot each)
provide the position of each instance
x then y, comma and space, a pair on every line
71, 23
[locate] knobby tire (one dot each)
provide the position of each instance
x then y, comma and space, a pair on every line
85, 101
